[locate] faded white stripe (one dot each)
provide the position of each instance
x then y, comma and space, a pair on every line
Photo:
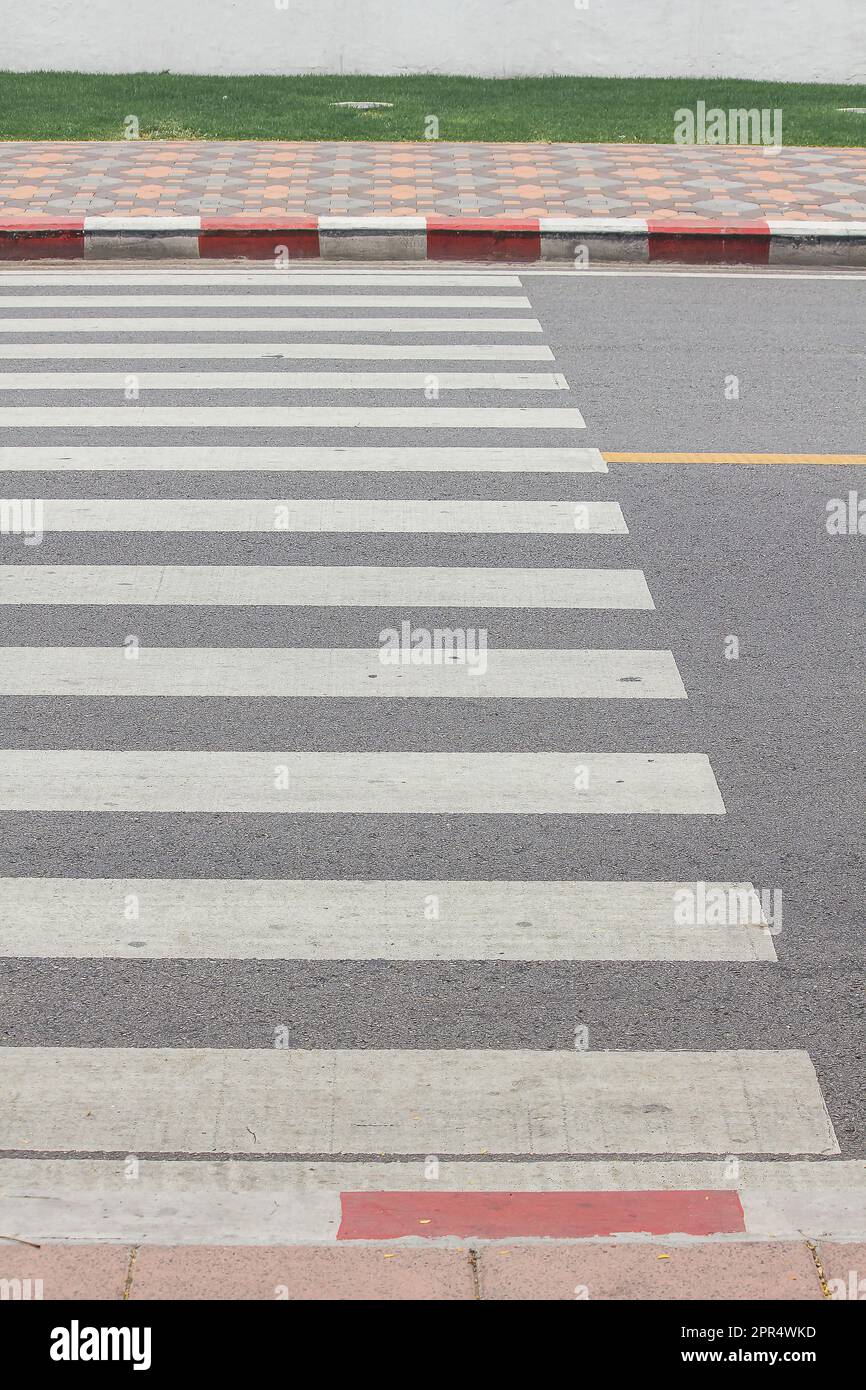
299, 459
341, 515
345, 919
267, 276
460, 671
388, 352
284, 381
275, 324
276, 300
272, 1100
342, 586
338, 417
374, 783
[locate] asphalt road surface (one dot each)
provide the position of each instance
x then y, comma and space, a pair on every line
466, 929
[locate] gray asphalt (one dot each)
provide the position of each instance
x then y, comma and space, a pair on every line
726, 550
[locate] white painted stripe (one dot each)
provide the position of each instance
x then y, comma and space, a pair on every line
389, 352
374, 222
755, 1176
816, 228
424, 417
592, 226
274, 1100
456, 671
267, 277
351, 586
360, 783
285, 381
342, 515
123, 222
231, 1202
239, 324
276, 300
259, 458
345, 919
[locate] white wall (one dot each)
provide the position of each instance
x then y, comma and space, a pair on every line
791, 40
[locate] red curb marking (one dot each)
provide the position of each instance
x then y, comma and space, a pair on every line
564, 1215
257, 238
726, 243
483, 238
37, 238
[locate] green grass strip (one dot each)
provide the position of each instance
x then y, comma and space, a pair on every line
84, 106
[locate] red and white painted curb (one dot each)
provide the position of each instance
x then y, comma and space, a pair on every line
579, 240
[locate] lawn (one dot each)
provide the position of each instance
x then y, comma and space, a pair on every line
83, 106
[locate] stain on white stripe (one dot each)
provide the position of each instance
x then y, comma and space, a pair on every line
276, 300
350, 672
285, 381
272, 1100
429, 417
233, 1202
323, 585
387, 352
344, 919
297, 459
409, 517
363, 783
240, 324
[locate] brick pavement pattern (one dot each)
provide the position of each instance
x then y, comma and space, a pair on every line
489, 180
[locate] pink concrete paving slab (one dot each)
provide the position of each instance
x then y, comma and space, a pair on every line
65, 1271
301, 1272
844, 1266
714, 1270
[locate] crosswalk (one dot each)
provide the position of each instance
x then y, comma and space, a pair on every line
391, 584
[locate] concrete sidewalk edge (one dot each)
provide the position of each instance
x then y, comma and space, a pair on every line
577, 240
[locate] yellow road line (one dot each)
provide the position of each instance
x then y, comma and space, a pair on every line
734, 458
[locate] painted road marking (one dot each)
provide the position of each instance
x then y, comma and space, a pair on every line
134, 352
562, 1215
371, 1101
361, 783
298, 459
429, 417
276, 300
365, 919
265, 277
275, 324
285, 381
346, 672
342, 515
325, 585
196, 1201
735, 458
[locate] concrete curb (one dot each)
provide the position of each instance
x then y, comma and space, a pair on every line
578, 240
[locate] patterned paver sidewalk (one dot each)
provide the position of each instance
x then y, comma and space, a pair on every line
508, 181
